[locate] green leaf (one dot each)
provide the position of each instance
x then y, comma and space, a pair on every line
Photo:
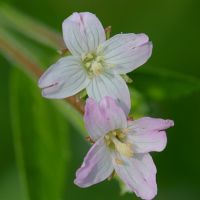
139, 104
162, 84
41, 127
41, 139
9, 181
12, 18
71, 115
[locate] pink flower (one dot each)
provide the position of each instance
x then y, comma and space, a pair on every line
123, 146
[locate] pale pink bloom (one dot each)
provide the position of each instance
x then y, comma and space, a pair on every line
96, 63
121, 145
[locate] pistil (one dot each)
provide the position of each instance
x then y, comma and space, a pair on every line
123, 148
115, 141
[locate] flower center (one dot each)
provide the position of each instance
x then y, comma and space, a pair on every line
93, 64
115, 140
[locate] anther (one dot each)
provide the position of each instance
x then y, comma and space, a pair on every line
89, 56
118, 161
123, 148
121, 135
99, 58
96, 68
88, 64
107, 137
114, 133
125, 131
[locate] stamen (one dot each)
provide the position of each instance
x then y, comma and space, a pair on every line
88, 64
125, 131
107, 137
121, 135
123, 148
93, 63
114, 133
99, 58
115, 140
118, 161
89, 56
107, 140
96, 68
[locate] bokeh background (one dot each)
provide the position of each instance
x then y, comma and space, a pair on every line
42, 141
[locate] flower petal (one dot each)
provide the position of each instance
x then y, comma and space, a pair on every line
63, 79
110, 85
83, 32
125, 52
150, 123
148, 141
102, 117
139, 174
96, 167
95, 120
147, 134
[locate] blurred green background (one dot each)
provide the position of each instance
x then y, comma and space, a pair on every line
42, 141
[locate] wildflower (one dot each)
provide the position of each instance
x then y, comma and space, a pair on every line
122, 146
96, 63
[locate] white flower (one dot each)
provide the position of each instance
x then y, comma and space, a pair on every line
95, 63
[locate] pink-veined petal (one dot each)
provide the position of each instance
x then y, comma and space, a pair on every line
95, 121
139, 174
63, 79
126, 52
144, 142
147, 134
110, 85
150, 123
82, 33
96, 167
102, 117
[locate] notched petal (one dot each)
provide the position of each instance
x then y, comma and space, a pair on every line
63, 79
126, 52
139, 174
148, 134
83, 32
96, 167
